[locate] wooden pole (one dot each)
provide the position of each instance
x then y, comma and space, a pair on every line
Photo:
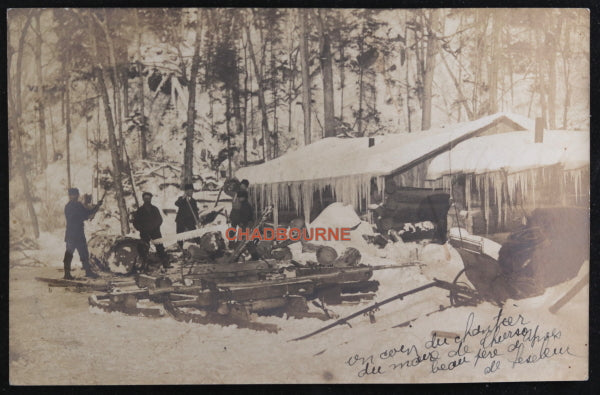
539, 130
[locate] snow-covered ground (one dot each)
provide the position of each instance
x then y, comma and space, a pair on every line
56, 338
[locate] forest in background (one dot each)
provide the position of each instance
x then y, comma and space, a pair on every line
206, 91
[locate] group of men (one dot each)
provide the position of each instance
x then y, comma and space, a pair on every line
147, 220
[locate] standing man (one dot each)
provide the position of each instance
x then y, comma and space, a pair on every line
147, 221
242, 213
76, 213
187, 213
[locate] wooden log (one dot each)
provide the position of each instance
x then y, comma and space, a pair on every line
224, 277
310, 314
357, 297
254, 266
145, 281
237, 316
360, 286
116, 254
211, 245
263, 249
334, 275
223, 308
296, 304
127, 307
93, 285
330, 293
265, 304
178, 289
350, 257
248, 292
130, 301
177, 296
326, 255
163, 282
184, 302
139, 293
283, 254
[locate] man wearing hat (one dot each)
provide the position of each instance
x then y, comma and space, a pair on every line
147, 221
76, 213
187, 213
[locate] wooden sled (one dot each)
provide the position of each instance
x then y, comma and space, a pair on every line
125, 303
80, 285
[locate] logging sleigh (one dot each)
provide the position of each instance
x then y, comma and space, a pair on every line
214, 285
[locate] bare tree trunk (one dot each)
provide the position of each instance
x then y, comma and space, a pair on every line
541, 81
144, 129
245, 105
237, 102
112, 140
97, 147
551, 40
429, 70
566, 69
482, 25
495, 60
273, 68
407, 62
261, 98
67, 79
20, 131
115, 78
188, 157
305, 74
342, 81
327, 74
461, 96
228, 128
125, 82
40, 101
360, 101
292, 66
62, 107
52, 136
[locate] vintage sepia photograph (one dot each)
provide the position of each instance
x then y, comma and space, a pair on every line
281, 195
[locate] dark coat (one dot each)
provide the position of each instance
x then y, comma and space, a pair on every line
243, 216
185, 216
147, 219
76, 214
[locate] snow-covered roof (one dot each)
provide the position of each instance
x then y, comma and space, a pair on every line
513, 152
335, 157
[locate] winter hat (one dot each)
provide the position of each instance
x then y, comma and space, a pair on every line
146, 194
73, 191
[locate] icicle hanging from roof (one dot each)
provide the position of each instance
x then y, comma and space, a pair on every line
354, 190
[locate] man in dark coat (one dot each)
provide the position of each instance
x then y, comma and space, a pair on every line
76, 213
147, 221
187, 213
242, 213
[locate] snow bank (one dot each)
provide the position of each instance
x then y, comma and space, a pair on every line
340, 215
